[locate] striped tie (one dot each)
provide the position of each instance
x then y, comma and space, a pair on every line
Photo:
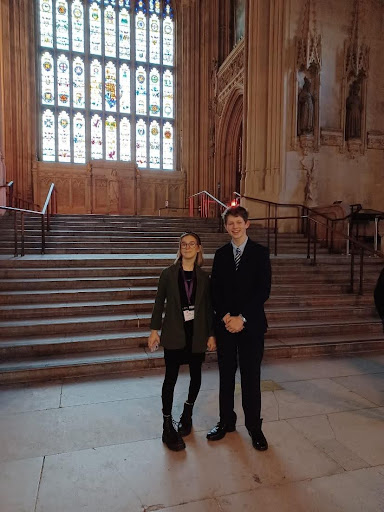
237, 258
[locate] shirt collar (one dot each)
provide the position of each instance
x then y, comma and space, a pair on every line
241, 247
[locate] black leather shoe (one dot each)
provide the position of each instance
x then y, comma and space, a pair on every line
185, 423
219, 431
258, 440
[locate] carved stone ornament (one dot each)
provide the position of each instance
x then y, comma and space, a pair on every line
331, 137
307, 143
231, 73
354, 147
375, 140
309, 44
357, 52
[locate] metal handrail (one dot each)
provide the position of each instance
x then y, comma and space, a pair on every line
304, 209
363, 247
50, 208
209, 195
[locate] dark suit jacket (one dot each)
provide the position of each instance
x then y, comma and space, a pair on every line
244, 290
172, 328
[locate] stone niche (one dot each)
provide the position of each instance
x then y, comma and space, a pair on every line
111, 188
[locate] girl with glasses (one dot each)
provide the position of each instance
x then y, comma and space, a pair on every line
186, 331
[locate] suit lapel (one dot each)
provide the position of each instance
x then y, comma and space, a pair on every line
199, 288
175, 284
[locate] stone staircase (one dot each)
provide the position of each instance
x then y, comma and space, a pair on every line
84, 307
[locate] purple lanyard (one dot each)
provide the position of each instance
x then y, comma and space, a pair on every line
188, 287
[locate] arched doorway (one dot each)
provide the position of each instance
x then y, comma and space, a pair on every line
228, 157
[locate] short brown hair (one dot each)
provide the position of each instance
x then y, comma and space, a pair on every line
200, 254
235, 211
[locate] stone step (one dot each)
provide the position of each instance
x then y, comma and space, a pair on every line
88, 324
149, 292
129, 359
131, 306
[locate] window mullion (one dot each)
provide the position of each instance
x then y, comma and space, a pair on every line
161, 120
87, 83
133, 66
71, 88
56, 89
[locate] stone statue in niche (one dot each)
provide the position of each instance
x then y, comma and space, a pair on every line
305, 118
353, 112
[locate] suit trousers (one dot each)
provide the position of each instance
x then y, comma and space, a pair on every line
246, 351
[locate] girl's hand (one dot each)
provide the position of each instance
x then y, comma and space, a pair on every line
211, 343
153, 341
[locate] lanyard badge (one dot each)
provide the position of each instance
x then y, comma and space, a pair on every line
189, 312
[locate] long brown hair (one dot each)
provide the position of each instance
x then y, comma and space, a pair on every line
199, 257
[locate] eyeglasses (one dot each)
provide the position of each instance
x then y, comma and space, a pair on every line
184, 245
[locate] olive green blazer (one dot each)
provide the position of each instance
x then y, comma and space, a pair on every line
172, 328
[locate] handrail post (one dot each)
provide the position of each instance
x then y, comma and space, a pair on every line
361, 270
15, 252
326, 236
275, 235
314, 243
22, 235
331, 247
268, 223
348, 235
376, 233
352, 268
308, 224
42, 235
48, 220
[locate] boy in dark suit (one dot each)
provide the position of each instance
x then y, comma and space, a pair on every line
241, 283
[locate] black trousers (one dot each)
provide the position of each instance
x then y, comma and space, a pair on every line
171, 374
246, 351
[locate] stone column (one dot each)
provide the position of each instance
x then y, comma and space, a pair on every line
18, 92
264, 98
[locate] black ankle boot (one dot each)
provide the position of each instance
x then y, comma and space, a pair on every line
185, 423
171, 437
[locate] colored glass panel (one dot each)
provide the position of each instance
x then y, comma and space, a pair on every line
46, 23
77, 26
167, 8
110, 31
154, 92
48, 136
154, 6
154, 39
154, 145
78, 83
168, 41
125, 140
62, 33
141, 143
47, 79
167, 146
141, 91
95, 29
167, 93
125, 89
124, 3
96, 85
111, 138
110, 87
124, 34
63, 90
141, 36
64, 137
79, 138
96, 137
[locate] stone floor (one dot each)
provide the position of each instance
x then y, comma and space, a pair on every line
95, 445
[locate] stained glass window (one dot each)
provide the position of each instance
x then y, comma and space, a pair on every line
107, 81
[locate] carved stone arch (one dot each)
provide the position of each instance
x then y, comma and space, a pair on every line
228, 150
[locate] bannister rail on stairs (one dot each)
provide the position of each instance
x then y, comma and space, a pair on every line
311, 235
204, 199
49, 209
